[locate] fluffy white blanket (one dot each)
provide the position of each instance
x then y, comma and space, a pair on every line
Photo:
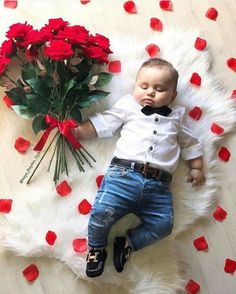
38, 208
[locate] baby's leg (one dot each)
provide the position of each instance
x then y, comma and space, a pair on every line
156, 213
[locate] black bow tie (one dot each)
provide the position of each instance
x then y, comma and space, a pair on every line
163, 110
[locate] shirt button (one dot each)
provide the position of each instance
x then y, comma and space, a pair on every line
150, 148
154, 132
156, 119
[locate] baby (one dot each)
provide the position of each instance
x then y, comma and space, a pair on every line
153, 134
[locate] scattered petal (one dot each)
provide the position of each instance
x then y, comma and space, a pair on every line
200, 44
192, 287
130, 7
63, 189
152, 50
216, 129
8, 101
80, 245
166, 5
114, 66
231, 62
195, 113
99, 180
84, 207
200, 243
233, 95
196, 79
31, 273
5, 205
212, 13
224, 154
230, 266
10, 4
156, 24
84, 1
220, 214
21, 145
51, 237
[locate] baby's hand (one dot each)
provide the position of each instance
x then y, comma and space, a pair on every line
196, 177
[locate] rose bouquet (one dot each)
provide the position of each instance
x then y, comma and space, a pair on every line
60, 73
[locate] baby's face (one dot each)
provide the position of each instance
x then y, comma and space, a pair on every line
154, 86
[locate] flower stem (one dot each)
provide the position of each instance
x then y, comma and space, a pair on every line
41, 159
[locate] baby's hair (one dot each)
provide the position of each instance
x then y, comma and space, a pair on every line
152, 62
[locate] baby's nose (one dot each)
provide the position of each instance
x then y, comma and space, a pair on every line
151, 92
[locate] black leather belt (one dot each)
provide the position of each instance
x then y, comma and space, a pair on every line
146, 170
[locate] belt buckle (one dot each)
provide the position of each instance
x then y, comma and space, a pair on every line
153, 171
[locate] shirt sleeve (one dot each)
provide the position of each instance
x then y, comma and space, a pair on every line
108, 121
190, 145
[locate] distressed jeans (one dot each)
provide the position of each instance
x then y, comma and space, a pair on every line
124, 191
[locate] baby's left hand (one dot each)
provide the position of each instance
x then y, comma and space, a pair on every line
196, 177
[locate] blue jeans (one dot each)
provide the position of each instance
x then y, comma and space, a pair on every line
124, 191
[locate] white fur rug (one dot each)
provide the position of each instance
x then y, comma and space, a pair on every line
38, 208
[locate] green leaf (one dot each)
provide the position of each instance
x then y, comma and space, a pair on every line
84, 103
97, 94
17, 95
39, 105
76, 114
68, 86
103, 79
22, 111
28, 71
39, 124
39, 87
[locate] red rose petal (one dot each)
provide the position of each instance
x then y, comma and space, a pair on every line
8, 101
230, 266
212, 13
84, 1
5, 205
166, 5
196, 79
200, 243
220, 214
114, 66
152, 50
63, 189
224, 154
51, 237
99, 180
216, 129
130, 7
231, 62
21, 145
200, 44
10, 4
233, 95
84, 207
31, 273
195, 113
80, 245
192, 287
156, 24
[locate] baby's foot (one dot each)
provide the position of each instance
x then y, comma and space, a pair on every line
95, 262
121, 253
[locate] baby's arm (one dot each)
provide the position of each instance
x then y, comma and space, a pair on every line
85, 131
196, 174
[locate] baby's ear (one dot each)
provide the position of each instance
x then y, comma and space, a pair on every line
174, 95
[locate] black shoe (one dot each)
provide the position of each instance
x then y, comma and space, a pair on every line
95, 262
121, 253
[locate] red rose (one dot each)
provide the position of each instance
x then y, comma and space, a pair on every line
75, 35
4, 61
55, 25
58, 50
33, 37
18, 31
96, 53
8, 48
100, 41
31, 54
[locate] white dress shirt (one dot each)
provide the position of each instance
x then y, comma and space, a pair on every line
153, 139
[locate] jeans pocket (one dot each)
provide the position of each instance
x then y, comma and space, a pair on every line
117, 171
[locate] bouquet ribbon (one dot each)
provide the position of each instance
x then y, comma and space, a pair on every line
63, 127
